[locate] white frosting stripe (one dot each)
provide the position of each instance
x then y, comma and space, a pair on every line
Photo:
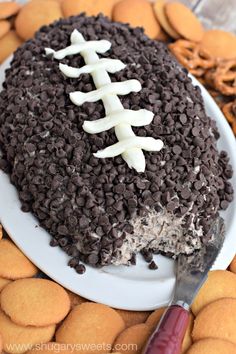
113, 88
134, 157
148, 144
76, 37
134, 118
110, 65
98, 46
129, 145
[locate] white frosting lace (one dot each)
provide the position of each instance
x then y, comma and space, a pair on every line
129, 145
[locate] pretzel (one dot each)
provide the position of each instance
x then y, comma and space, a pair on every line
229, 111
220, 100
209, 78
225, 77
191, 57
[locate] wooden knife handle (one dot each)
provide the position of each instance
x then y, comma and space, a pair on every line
168, 337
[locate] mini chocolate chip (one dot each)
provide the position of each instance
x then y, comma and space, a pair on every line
103, 220
177, 149
80, 269
93, 258
147, 255
185, 193
63, 241
198, 185
120, 188
114, 233
195, 131
83, 222
73, 262
62, 230
171, 206
132, 203
224, 204
133, 260
183, 118
153, 266
54, 242
141, 184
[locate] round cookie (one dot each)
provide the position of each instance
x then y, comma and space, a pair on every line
212, 346
219, 44
138, 13
13, 263
220, 283
216, 320
52, 347
132, 318
16, 338
132, 339
187, 341
232, 266
4, 27
3, 283
162, 36
90, 321
1, 343
154, 318
35, 302
90, 7
8, 44
75, 299
34, 15
184, 22
8, 9
159, 9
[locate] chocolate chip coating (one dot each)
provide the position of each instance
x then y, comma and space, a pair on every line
83, 200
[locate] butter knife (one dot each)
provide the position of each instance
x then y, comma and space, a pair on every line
191, 274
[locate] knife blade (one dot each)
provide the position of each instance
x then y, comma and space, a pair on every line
191, 274
192, 270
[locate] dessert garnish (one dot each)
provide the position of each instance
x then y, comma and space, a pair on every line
129, 146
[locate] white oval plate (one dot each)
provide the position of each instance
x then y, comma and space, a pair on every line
131, 288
